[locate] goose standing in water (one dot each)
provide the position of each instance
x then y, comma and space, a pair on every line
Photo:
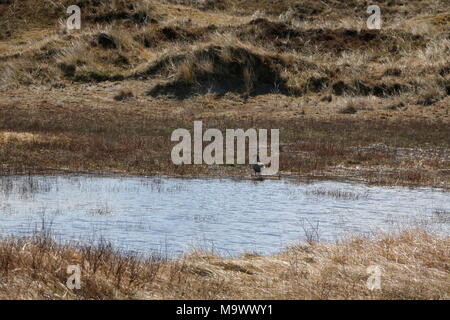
257, 167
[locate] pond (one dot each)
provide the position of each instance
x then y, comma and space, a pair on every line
227, 216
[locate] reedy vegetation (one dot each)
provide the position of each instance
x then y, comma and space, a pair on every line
414, 265
346, 100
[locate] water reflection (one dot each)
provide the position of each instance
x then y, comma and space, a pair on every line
143, 214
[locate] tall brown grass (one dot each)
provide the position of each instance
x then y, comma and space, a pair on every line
332, 87
413, 264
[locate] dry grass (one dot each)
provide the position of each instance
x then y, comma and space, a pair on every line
414, 265
93, 135
348, 102
314, 71
309, 59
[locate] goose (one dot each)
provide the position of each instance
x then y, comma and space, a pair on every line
257, 167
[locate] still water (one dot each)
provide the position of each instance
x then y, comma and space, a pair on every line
230, 217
